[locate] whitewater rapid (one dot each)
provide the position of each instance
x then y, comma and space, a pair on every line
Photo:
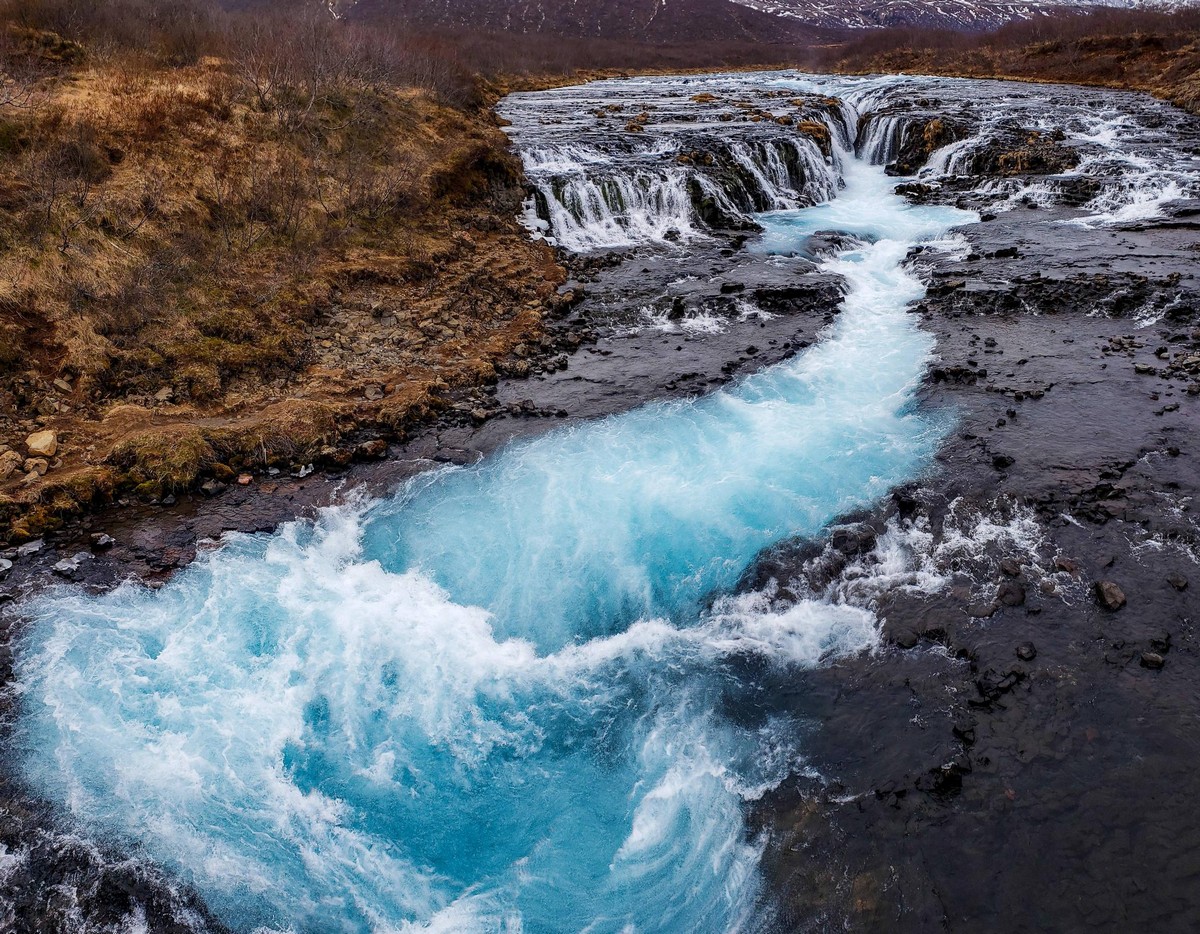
500, 699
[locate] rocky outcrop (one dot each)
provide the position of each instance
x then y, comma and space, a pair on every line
1023, 152
920, 140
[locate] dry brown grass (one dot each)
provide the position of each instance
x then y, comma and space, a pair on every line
179, 240
1135, 49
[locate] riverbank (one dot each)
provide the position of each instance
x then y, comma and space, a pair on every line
218, 274
1031, 718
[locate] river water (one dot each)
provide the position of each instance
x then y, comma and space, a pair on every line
522, 695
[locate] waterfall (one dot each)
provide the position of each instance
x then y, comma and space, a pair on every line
495, 699
670, 180
880, 137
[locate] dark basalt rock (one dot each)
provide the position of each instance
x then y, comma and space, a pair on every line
1022, 152
920, 139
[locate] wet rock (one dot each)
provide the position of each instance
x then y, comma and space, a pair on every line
920, 140
5, 567
30, 548
1011, 594
212, 487
371, 450
1022, 152
1178, 581
1026, 651
1002, 461
69, 567
1110, 595
1010, 567
102, 540
904, 637
42, 444
853, 539
1153, 661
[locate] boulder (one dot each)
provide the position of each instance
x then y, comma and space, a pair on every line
10, 462
1110, 595
42, 444
1011, 594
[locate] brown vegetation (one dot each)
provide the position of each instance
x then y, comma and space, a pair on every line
1143, 50
225, 250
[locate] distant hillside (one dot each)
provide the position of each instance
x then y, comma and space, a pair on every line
1140, 49
638, 20
771, 21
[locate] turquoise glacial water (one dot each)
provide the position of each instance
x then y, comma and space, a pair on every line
494, 701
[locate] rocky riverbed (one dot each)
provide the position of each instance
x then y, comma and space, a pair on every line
1021, 749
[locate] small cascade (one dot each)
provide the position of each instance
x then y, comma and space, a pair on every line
615, 209
879, 138
673, 177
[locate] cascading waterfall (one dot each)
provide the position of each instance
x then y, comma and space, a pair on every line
880, 137
670, 181
493, 701
498, 700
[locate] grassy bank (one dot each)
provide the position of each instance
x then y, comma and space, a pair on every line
217, 264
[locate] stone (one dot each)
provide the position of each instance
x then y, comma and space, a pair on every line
69, 567
1026, 651
853, 539
371, 449
62, 385
1002, 461
5, 567
1066, 564
102, 540
1153, 661
1178, 581
42, 444
1110, 595
10, 461
1011, 594
36, 465
30, 548
244, 479
1010, 567
905, 638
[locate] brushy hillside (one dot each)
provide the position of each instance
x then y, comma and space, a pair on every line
227, 251
1138, 49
